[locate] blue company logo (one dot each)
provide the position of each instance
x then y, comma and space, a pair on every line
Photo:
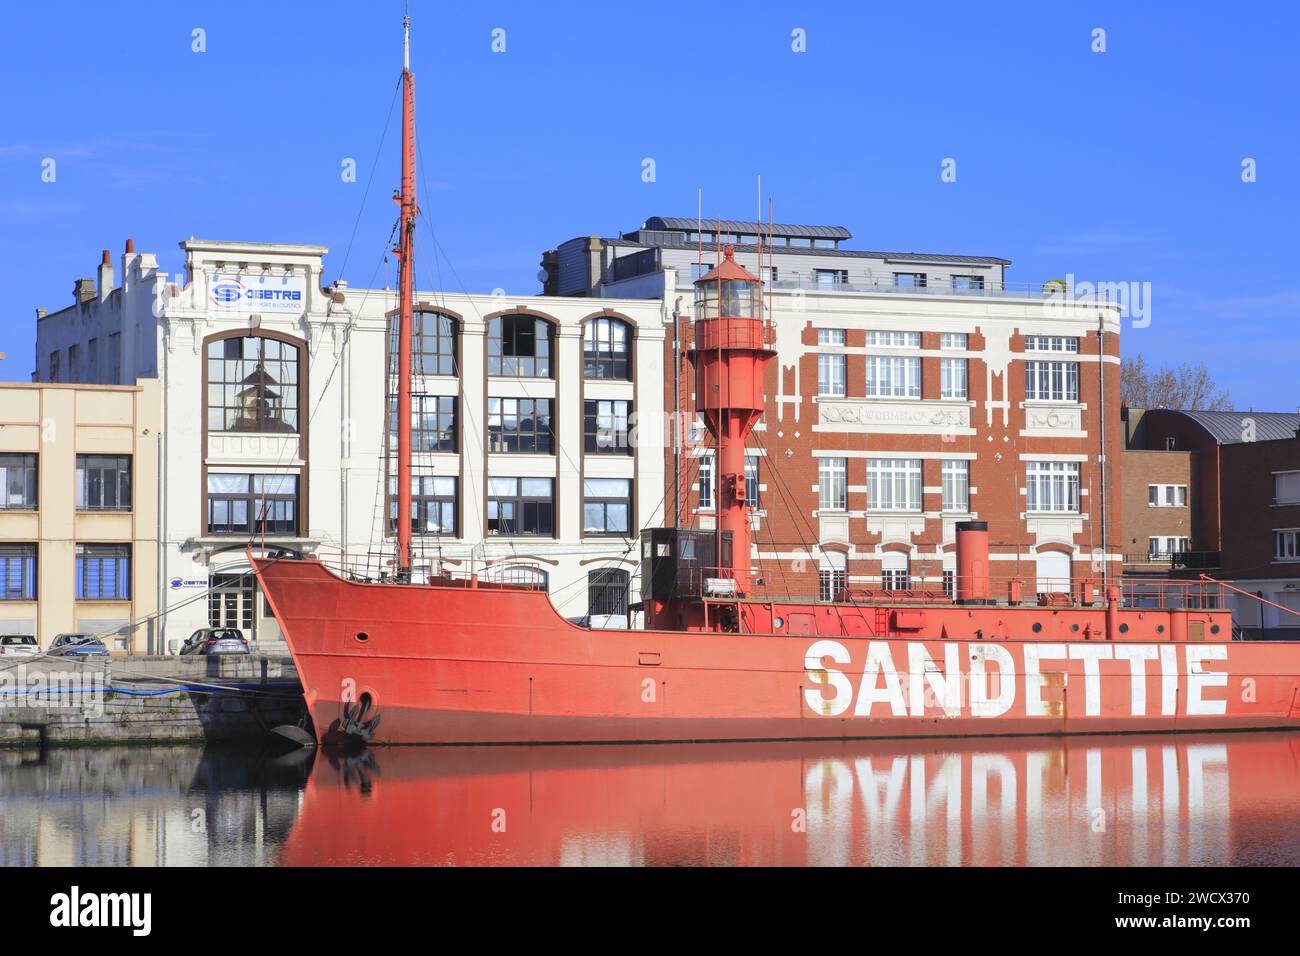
177, 583
228, 292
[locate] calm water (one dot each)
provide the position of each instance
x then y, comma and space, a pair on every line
1230, 799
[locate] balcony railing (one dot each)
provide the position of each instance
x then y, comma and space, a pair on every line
885, 284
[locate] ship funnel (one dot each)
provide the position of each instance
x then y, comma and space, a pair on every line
972, 562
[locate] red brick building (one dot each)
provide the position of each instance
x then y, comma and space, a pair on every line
1243, 504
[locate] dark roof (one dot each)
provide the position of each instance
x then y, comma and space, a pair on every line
740, 227
1229, 428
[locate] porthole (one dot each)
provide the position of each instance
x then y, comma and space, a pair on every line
778, 623
1074, 628
1160, 628
1214, 629
1037, 626
1123, 628
362, 636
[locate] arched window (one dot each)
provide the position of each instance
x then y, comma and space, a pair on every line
607, 597
525, 574
1053, 569
434, 344
606, 349
252, 385
521, 345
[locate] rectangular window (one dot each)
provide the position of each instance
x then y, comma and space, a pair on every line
1051, 381
831, 375
751, 482
1286, 488
1052, 486
830, 583
18, 482
1161, 548
607, 506
520, 426
953, 340
1167, 496
114, 357
74, 363
521, 506
103, 572
54, 366
830, 336
252, 504
950, 583
832, 481
606, 349
895, 579
897, 340
893, 376
1286, 545
952, 378
17, 572
894, 484
956, 485
831, 278
909, 280
433, 504
433, 423
967, 282
92, 360
103, 482
705, 483
770, 274
605, 425
1051, 343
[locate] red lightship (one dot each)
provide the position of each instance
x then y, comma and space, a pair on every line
441, 660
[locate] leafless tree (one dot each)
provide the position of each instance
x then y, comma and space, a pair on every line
1187, 386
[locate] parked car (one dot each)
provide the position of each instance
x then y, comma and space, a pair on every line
77, 645
215, 640
19, 645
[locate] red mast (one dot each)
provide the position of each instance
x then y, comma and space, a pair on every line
406, 294
730, 356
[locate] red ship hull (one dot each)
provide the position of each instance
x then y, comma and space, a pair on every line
482, 664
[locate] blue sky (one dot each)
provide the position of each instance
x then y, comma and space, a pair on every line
1115, 166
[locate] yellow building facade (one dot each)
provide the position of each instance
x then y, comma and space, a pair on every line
79, 512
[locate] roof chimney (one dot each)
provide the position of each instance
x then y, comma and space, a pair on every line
130, 246
41, 313
105, 277
83, 290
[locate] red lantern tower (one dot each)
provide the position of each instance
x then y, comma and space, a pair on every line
730, 355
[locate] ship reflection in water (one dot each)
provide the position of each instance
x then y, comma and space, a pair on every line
1131, 801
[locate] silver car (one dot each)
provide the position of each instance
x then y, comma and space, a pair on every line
19, 645
215, 640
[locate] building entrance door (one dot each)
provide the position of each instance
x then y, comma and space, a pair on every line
232, 602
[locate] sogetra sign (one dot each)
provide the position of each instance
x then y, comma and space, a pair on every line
277, 295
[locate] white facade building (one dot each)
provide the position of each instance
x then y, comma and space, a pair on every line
274, 394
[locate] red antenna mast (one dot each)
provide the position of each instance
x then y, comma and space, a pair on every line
406, 294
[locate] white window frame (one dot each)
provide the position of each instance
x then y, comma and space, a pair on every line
1163, 546
893, 376
953, 382
1052, 487
893, 339
832, 575
956, 485
1282, 495
832, 375
1167, 496
832, 484
1051, 343
1286, 544
1051, 381
705, 485
830, 336
894, 484
954, 340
